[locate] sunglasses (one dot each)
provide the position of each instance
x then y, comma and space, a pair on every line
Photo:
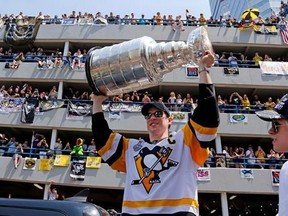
157, 114
275, 126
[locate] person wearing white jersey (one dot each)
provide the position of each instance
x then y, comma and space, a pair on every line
161, 172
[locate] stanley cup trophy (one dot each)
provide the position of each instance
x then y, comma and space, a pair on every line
141, 63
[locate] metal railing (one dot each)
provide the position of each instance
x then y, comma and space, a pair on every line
222, 161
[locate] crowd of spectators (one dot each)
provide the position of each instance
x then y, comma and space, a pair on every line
40, 147
76, 59
175, 101
240, 157
246, 156
240, 60
186, 19
233, 103
46, 59
28, 91
243, 104
55, 59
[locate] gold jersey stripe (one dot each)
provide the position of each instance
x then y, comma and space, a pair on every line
199, 154
161, 203
203, 130
108, 144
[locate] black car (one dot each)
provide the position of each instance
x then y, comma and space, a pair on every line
74, 206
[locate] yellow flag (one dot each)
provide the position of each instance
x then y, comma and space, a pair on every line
62, 160
45, 164
93, 162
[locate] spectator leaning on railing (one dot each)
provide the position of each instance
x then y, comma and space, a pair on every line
3, 144
17, 156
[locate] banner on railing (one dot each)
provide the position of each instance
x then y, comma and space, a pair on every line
220, 160
179, 116
1, 23
275, 174
49, 105
62, 160
29, 163
78, 168
8, 105
93, 162
76, 110
32, 105
45, 164
231, 71
238, 117
28, 110
263, 29
125, 107
203, 174
21, 32
114, 115
274, 68
246, 173
69, 21
85, 21
192, 71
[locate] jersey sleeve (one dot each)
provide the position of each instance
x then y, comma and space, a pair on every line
111, 146
100, 129
206, 113
205, 118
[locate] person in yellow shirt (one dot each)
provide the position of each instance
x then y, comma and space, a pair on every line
158, 19
202, 20
270, 104
257, 58
260, 155
245, 102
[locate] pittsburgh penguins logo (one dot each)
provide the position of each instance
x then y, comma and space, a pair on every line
30, 163
150, 163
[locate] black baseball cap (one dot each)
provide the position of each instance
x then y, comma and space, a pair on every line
157, 105
280, 111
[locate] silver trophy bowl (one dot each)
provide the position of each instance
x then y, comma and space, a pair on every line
141, 63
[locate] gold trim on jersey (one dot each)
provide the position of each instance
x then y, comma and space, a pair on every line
161, 203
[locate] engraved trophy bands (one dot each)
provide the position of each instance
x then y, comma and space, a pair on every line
141, 63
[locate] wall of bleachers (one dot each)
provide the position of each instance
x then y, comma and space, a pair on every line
58, 57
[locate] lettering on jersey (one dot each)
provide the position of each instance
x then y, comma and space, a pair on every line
150, 163
171, 139
138, 146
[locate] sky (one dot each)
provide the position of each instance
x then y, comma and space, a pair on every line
121, 7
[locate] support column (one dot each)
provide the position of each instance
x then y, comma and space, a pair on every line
60, 90
224, 204
46, 189
218, 144
53, 138
66, 48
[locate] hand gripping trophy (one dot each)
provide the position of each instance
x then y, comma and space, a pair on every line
141, 63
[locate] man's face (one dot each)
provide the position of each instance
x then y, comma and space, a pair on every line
157, 124
278, 132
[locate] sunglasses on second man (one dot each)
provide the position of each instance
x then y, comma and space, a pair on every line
276, 124
157, 114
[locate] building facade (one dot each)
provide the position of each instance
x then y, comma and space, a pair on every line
235, 8
225, 191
